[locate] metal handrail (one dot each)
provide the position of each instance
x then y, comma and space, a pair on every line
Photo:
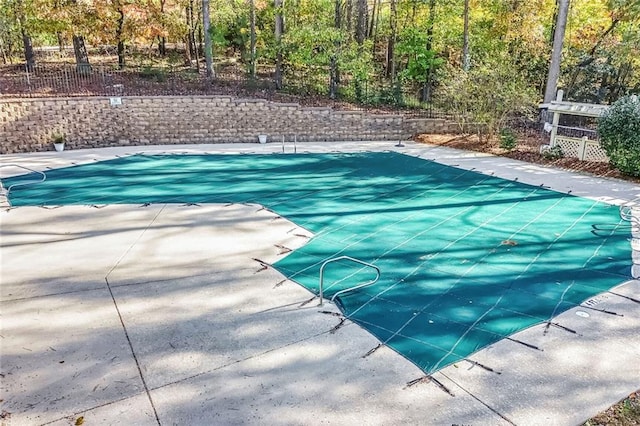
626, 213
335, 259
44, 177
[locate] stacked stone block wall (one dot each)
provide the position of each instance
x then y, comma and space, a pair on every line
27, 125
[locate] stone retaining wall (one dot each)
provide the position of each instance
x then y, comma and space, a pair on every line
27, 125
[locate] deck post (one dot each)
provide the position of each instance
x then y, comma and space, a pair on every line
556, 121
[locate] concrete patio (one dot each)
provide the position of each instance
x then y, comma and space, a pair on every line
165, 314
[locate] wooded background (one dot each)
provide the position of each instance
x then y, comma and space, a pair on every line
490, 57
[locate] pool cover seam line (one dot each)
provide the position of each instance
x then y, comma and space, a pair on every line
427, 260
528, 266
417, 213
466, 332
176, 181
389, 225
409, 337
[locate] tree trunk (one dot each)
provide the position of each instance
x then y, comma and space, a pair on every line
193, 46
361, 22
349, 9
187, 50
466, 59
556, 54
187, 38
60, 42
3, 52
391, 47
29, 56
162, 40
360, 35
426, 88
620, 84
279, 28
334, 71
121, 54
252, 48
83, 67
119, 36
162, 46
375, 17
208, 52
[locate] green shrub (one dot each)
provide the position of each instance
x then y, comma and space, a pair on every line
488, 94
508, 139
619, 130
553, 153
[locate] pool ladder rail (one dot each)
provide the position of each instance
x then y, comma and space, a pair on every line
630, 212
346, 290
5, 192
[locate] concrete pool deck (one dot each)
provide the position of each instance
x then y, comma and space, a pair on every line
161, 314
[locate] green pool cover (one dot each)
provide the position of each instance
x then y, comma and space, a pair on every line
467, 259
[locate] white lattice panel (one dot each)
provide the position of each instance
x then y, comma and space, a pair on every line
594, 152
582, 149
571, 147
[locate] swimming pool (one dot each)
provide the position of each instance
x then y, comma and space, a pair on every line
466, 259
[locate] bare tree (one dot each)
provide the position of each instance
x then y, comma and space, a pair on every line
29, 56
373, 21
279, 29
208, 54
82, 57
373, 29
120, 34
556, 54
391, 46
361, 21
162, 40
192, 51
426, 88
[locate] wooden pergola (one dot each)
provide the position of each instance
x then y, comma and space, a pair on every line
584, 148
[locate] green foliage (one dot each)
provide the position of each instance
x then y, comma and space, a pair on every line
58, 138
553, 153
510, 46
230, 28
9, 30
619, 130
488, 94
508, 139
411, 49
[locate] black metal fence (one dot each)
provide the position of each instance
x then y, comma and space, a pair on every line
67, 80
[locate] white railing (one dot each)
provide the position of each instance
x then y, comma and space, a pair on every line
351, 259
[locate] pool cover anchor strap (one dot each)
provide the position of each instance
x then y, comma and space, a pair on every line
430, 379
336, 259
